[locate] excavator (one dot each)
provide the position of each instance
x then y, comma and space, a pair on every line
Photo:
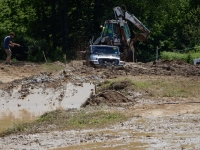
117, 33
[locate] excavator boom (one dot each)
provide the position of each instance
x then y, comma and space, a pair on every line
136, 22
121, 15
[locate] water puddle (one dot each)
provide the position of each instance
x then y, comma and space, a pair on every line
9, 120
18, 109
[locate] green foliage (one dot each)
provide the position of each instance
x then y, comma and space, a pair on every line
95, 118
15, 129
193, 56
173, 56
186, 57
81, 117
63, 27
197, 49
49, 116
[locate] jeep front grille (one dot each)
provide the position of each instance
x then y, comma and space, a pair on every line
103, 61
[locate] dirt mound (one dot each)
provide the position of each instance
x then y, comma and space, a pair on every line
119, 85
110, 98
116, 85
162, 67
171, 62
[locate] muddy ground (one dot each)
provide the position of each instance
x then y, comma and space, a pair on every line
157, 123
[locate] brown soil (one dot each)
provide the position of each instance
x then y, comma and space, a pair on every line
110, 98
33, 75
165, 120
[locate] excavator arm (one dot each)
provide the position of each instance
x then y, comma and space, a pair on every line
121, 15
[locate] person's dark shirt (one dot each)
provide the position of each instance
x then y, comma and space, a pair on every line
7, 42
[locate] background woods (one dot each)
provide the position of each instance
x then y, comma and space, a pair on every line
64, 27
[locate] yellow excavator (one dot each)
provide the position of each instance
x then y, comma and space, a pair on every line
117, 33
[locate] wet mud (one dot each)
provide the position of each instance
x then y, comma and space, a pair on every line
156, 132
24, 100
155, 123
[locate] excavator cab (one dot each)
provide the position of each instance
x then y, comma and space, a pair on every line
112, 30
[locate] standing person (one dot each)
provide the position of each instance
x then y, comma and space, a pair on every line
7, 44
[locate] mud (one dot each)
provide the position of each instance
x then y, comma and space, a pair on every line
165, 67
167, 123
34, 98
148, 132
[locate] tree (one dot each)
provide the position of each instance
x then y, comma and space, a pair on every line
66, 26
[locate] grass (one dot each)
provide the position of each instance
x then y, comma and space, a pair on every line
166, 88
95, 119
186, 57
160, 87
51, 67
67, 120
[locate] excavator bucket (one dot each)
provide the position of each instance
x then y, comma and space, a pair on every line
142, 37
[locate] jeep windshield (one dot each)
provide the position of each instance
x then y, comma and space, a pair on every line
104, 50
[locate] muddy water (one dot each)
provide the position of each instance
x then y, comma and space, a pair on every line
15, 109
8, 120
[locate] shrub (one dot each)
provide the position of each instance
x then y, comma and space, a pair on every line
186, 57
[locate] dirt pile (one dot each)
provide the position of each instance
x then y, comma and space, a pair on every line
110, 98
163, 67
121, 85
